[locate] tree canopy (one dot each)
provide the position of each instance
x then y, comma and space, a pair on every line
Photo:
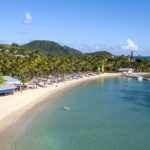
24, 63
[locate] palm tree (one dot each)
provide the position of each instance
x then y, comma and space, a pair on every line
1, 79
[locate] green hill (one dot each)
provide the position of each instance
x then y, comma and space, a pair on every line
102, 53
51, 48
44, 47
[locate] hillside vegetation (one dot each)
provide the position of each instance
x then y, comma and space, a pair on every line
26, 63
102, 53
51, 48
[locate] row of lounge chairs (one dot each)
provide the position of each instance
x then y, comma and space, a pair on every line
49, 80
43, 82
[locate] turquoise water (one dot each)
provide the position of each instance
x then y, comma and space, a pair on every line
105, 114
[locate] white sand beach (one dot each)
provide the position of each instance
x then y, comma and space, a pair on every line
12, 107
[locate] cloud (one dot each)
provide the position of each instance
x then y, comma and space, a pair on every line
27, 18
114, 49
131, 45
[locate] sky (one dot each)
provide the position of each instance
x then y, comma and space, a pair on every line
118, 26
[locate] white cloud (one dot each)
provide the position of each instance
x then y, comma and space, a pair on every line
131, 45
27, 18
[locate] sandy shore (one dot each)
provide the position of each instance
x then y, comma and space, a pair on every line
12, 107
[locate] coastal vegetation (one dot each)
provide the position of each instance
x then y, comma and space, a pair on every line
25, 63
1, 79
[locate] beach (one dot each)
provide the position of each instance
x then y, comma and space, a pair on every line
103, 113
12, 107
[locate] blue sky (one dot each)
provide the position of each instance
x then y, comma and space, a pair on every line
89, 25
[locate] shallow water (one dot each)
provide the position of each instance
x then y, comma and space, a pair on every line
105, 114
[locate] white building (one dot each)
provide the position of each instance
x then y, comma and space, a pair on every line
10, 80
126, 70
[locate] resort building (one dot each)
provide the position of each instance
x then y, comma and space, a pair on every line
126, 70
10, 85
10, 80
7, 89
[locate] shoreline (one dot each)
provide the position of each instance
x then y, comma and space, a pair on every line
13, 107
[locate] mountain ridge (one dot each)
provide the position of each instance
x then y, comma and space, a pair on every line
101, 53
46, 48
51, 48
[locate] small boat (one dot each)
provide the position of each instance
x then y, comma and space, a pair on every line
67, 108
140, 78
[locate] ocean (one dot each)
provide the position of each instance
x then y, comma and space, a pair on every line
106, 114
144, 57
